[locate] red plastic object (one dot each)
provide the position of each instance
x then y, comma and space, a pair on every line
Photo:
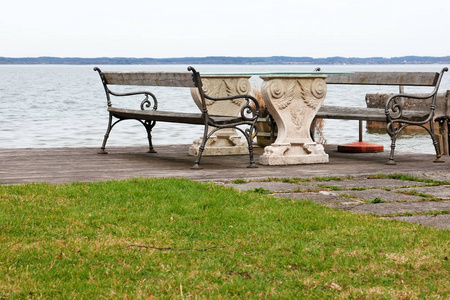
360, 147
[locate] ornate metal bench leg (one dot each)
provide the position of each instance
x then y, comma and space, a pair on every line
252, 161
149, 126
444, 131
393, 132
196, 165
108, 130
391, 156
249, 137
438, 158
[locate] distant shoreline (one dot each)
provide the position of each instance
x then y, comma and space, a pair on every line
224, 60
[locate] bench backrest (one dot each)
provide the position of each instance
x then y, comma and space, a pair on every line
385, 78
173, 79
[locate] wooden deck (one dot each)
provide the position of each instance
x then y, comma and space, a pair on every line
64, 165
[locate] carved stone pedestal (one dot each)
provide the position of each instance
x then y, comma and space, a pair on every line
293, 101
225, 141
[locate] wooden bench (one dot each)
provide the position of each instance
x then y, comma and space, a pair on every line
393, 113
148, 115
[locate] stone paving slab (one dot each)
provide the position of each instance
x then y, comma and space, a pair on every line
325, 198
442, 191
347, 195
355, 200
372, 194
273, 186
441, 175
369, 183
398, 207
438, 221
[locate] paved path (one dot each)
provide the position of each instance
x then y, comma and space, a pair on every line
409, 201
384, 197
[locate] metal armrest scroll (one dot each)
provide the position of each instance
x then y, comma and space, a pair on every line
249, 112
394, 110
146, 103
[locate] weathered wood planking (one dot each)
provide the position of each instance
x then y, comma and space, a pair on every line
169, 116
362, 113
64, 165
157, 115
179, 79
385, 78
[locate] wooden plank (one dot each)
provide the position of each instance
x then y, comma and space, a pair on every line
170, 116
385, 78
63, 165
351, 113
163, 116
174, 79
362, 113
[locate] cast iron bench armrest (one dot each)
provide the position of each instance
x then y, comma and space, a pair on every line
249, 112
395, 112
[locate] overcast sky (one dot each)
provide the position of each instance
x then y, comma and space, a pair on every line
181, 28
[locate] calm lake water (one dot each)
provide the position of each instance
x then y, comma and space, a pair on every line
65, 106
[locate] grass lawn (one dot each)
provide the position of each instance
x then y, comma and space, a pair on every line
175, 238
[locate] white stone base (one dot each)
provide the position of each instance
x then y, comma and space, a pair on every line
221, 145
293, 154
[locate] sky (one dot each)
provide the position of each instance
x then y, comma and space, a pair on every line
180, 28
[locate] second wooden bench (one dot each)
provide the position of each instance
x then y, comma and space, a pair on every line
393, 113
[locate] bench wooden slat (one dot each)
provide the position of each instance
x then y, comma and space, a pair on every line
351, 113
363, 113
179, 79
157, 115
169, 116
385, 78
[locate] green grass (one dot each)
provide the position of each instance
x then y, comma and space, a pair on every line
377, 200
261, 191
176, 239
239, 181
409, 178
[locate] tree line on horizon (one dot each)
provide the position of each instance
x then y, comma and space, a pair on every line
275, 60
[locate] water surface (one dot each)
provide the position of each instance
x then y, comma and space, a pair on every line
65, 106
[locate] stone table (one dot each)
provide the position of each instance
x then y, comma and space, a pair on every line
293, 101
